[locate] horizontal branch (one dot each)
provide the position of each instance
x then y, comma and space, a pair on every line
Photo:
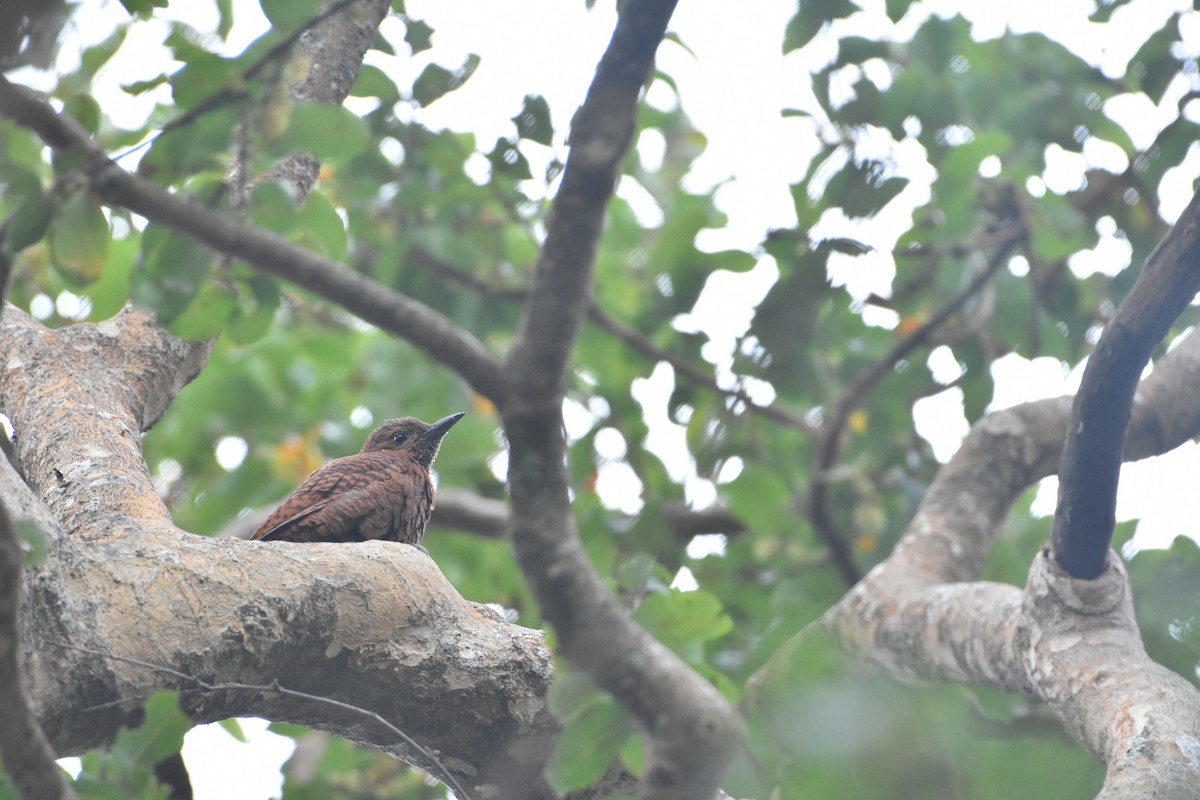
374, 625
424, 327
488, 517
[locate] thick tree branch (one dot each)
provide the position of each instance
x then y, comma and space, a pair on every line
426, 328
374, 625
1073, 644
28, 758
691, 730
1092, 455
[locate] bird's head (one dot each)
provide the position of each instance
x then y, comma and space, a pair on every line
411, 435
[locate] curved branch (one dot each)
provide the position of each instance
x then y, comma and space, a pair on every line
268, 252
922, 614
691, 730
1092, 455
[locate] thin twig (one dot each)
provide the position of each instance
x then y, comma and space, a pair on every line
274, 686
684, 368
1006, 237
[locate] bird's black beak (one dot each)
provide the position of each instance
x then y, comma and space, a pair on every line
438, 429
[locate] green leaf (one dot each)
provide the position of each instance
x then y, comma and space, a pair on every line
84, 109
1170, 625
436, 81
159, 735
809, 19
206, 315
252, 320
203, 77
274, 208
507, 159
34, 211
374, 82
328, 132
633, 754
96, 56
234, 729
681, 618
288, 15
141, 87
142, 8
571, 693
79, 239
111, 291
1154, 65
225, 18
28, 224
321, 229
418, 35
589, 743
197, 147
862, 189
171, 272
1105, 9
126, 770
897, 9
534, 120
35, 540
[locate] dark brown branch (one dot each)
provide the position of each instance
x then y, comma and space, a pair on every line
1091, 458
426, 328
829, 447
600, 134
27, 756
691, 731
467, 511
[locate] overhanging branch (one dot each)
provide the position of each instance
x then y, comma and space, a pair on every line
426, 328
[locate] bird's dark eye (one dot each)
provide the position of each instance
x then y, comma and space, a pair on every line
399, 437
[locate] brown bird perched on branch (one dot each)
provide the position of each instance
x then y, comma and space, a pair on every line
382, 492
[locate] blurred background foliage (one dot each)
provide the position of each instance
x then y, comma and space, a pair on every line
803, 429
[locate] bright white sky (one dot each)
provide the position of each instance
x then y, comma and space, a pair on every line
732, 85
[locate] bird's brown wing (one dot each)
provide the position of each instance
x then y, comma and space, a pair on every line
364, 496
308, 506
332, 519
